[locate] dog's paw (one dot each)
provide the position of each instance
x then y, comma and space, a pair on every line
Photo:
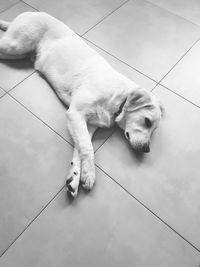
72, 182
87, 177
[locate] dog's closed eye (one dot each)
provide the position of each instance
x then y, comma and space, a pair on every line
148, 123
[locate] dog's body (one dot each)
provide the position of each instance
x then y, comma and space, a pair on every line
97, 95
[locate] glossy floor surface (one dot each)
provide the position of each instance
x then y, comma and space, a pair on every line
144, 211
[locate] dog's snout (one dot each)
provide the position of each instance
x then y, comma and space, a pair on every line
146, 148
127, 135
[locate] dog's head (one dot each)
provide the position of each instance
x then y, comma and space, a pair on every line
139, 117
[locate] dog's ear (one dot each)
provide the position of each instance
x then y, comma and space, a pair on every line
137, 99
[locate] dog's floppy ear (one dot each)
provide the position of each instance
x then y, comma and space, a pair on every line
137, 99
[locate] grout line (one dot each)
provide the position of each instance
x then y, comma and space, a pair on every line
114, 130
119, 60
34, 71
179, 60
9, 7
154, 87
40, 119
157, 82
29, 224
29, 5
180, 96
2, 95
106, 16
176, 15
153, 213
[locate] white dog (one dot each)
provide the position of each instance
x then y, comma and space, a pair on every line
97, 95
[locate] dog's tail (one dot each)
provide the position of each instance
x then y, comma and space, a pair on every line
4, 25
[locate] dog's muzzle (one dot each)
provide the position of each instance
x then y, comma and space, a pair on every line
139, 146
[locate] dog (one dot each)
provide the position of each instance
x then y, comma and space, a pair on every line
96, 94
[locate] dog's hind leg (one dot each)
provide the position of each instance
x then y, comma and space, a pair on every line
17, 41
8, 46
10, 50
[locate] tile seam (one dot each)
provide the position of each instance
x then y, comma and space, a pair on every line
174, 14
33, 220
29, 5
2, 11
148, 209
9, 90
39, 119
105, 17
178, 95
120, 60
180, 59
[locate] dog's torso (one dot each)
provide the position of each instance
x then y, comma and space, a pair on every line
78, 74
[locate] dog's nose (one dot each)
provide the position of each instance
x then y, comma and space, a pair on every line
146, 148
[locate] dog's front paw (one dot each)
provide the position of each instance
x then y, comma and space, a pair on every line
72, 182
87, 176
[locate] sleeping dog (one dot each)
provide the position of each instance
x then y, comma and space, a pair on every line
96, 94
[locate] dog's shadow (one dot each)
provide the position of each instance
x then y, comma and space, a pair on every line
138, 157
20, 64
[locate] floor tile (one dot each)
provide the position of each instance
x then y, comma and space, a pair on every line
33, 167
187, 9
104, 228
145, 36
184, 79
125, 69
36, 94
167, 179
14, 71
79, 15
4, 4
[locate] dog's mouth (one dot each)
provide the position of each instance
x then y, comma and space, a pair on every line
138, 146
141, 147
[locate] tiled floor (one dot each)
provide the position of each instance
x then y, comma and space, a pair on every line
143, 211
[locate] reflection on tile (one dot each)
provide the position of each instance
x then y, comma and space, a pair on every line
77, 14
4, 4
103, 228
166, 179
150, 39
33, 167
36, 94
184, 79
187, 9
14, 71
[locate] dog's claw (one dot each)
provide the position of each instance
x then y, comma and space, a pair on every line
69, 180
70, 188
71, 194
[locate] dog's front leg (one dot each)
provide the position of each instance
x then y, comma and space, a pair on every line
73, 179
77, 126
